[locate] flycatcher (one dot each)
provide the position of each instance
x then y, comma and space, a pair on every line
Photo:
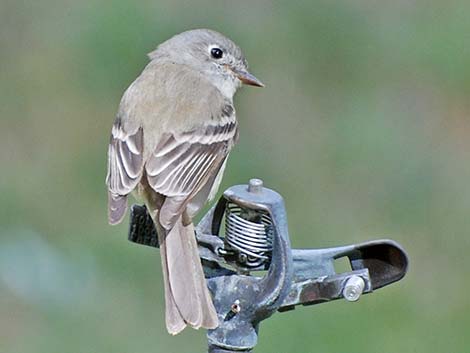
170, 140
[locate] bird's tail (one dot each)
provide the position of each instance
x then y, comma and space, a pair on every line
188, 301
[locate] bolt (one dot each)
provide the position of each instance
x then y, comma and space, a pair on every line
235, 308
242, 258
353, 288
255, 185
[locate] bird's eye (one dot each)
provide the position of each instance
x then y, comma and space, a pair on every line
217, 53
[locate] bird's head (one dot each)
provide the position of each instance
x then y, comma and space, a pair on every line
219, 59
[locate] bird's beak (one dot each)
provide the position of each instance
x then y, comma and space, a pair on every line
247, 78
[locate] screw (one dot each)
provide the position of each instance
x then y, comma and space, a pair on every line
353, 288
235, 308
255, 185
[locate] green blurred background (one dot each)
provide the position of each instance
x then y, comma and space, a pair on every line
363, 128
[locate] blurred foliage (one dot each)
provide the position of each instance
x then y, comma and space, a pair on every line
363, 127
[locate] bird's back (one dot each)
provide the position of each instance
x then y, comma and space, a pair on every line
169, 97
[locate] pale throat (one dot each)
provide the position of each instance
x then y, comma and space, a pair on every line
226, 84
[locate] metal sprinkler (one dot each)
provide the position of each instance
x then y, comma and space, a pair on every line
252, 272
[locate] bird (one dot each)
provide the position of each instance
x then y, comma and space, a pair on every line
175, 127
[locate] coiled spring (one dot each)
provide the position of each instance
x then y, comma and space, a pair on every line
249, 234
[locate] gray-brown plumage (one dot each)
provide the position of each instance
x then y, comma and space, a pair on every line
173, 132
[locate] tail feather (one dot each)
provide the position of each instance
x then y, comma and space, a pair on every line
188, 301
173, 319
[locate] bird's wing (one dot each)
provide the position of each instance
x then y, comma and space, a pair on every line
182, 163
125, 168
